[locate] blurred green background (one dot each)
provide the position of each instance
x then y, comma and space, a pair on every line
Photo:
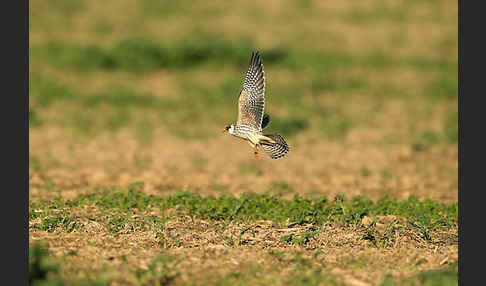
370, 72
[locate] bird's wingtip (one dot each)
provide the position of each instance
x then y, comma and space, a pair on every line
255, 57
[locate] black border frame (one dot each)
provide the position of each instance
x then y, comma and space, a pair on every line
470, 210
15, 118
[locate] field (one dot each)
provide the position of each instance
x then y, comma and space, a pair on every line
132, 181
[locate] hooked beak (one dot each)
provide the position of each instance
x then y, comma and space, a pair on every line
224, 130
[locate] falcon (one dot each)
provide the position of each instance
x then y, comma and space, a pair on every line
251, 118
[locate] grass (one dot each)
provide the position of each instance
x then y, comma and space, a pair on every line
121, 102
307, 104
141, 55
302, 239
428, 214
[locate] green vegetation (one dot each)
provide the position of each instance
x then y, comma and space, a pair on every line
116, 206
322, 75
141, 55
301, 239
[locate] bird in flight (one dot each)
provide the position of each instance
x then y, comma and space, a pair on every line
251, 118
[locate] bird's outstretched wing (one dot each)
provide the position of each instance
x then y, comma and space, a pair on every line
251, 101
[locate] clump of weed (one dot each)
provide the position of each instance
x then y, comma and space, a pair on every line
229, 241
116, 223
161, 239
286, 238
379, 239
302, 239
59, 220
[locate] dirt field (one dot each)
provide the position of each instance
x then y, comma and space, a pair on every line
132, 181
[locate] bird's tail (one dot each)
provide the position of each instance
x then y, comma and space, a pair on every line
275, 150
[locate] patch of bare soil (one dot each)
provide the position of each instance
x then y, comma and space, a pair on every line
205, 250
65, 167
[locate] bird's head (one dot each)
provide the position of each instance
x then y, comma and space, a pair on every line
229, 128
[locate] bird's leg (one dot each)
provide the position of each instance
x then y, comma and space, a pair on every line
255, 150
